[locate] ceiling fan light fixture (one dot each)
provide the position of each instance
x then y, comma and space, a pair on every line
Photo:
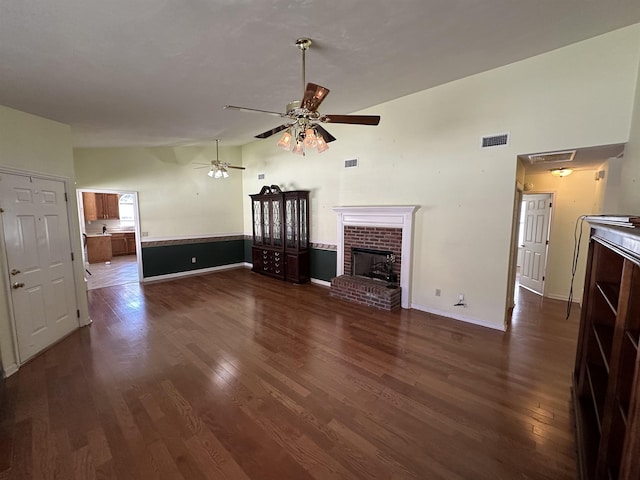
310, 140
322, 145
298, 148
211, 172
285, 141
561, 172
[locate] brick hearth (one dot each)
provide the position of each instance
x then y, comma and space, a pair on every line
366, 291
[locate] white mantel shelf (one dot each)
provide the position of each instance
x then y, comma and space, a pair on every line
391, 216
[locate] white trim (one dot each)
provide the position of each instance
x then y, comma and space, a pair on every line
11, 369
323, 283
192, 273
400, 216
461, 318
189, 237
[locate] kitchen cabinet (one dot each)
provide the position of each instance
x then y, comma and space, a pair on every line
123, 243
606, 383
100, 206
281, 233
99, 248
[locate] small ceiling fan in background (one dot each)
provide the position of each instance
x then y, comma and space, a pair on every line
303, 127
217, 169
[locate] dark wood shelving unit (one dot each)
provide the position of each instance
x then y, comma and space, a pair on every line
606, 384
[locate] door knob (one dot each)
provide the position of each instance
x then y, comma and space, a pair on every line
18, 285
15, 272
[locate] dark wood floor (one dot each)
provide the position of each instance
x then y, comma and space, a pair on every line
237, 376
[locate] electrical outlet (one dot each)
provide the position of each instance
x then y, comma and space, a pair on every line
193, 259
144, 234
438, 292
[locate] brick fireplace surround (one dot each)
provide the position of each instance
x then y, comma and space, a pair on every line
380, 228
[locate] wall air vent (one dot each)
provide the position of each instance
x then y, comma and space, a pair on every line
498, 140
352, 162
552, 157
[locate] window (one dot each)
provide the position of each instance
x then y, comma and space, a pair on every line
125, 207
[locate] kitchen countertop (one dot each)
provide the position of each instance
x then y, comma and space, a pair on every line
94, 235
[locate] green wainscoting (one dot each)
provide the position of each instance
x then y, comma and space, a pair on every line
323, 264
168, 259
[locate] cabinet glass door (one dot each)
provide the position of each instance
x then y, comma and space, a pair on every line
257, 222
266, 233
276, 223
303, 223
291, 223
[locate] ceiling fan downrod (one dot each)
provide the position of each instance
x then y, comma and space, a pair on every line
303, 44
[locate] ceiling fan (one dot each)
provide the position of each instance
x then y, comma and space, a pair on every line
218, 169
303, 126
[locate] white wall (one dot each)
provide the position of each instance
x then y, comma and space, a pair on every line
175, 199
426, 152
630, 178
34, 144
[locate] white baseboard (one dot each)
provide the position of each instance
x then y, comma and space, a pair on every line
190, 273
456, 316
11, 369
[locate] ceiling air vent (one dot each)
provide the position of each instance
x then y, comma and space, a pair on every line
495, 140
552, 157
352, 162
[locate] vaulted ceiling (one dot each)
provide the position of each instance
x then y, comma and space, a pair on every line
154, 72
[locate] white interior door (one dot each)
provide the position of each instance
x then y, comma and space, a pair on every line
36, 233
536, 232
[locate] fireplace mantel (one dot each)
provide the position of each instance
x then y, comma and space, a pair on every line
381, 216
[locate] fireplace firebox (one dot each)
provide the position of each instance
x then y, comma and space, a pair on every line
377, 264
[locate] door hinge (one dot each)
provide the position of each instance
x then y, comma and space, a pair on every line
550, 204
66, 199
1, 210
72, 259
543, 279
78, 313
546, 242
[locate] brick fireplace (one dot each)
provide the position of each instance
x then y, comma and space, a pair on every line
387, 228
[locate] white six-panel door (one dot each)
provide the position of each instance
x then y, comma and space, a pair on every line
40, 272
536, 229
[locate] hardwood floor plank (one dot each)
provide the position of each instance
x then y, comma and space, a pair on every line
233, 375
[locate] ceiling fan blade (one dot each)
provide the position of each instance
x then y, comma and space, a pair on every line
352, 119
254, 110
237, 168
273, 131
198, 168
313, 96
326, 135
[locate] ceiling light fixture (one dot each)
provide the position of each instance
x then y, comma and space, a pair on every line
302, 136
218, 169
302, 131
561, 172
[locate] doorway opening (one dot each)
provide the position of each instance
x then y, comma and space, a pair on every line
110, 229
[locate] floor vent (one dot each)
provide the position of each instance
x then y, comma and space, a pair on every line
495, 140
352, 162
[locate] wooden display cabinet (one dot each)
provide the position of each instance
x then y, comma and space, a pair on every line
281, 233
606, 384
